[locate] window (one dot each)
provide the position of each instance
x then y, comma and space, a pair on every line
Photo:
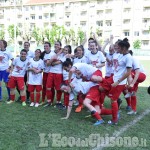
136, 33
32, 17
145, 43
99, 23
40, 7
126, 21
67, 24
126, 33
108, 23
27, 8
32, 7
83, 13
83, 23
27, 18
40, 17
52, 15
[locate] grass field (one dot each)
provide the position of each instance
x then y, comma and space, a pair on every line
21, 128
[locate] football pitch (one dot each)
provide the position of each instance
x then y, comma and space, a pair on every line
30, 128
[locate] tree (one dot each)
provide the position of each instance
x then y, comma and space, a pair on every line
11, 32
37, 35
80, 36
2, 34
137, 44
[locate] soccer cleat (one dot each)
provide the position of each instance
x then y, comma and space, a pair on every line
119, 102
19, 99
28, 101
36, 104
78, 109
32, 104
42, 103
98, 122
47, 104
76, 103
110, 122
9, 102
128, 108
24, 104
132, 112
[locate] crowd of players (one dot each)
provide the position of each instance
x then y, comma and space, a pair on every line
39, 77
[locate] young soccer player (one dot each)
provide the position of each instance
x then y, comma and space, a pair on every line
91, 90
5, 56
115, 85
34, 81
137, 76
16, 77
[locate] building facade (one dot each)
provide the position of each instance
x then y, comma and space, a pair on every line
122, 18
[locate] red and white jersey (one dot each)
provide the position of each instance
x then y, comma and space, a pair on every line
5, 56
109, 65
124, 62
47, 57
137, 65
86, 70
58, 68
80, 60
20, 67
115, 60
96, 59
80, 87
86, 51
35, 79
30, 54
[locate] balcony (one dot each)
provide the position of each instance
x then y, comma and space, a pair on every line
146, 14
145, 37
145, 26
127, 26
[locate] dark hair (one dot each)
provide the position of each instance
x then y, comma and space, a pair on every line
131, 52
23, 50
59, 43
27, 43
80, 47
5, 43
91, 39
38, 50
67, 62
48, 43
75, 50
94, 42
124, 43
119, 40
69, 48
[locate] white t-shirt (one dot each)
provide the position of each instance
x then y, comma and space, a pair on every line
20, 67
5, 56
124, 62
109, 65
80, 60
96, 59
47, 57
137, 65
80, 86
86, 70
35, 79
30, 54
58, 68
86, 51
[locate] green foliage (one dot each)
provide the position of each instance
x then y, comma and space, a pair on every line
2, 34
80, 36
137, 44
11, 32
37, 35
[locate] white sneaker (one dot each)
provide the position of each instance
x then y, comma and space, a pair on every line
36, 104
76, 103
132, 112
32, 104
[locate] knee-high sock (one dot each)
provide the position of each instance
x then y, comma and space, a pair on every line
105, 111
133, 103
59, 93
128, 100
114, 106
38, 95
8, 91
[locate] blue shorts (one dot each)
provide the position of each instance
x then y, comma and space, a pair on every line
4, 76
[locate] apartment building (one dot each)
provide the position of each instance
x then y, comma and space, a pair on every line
122, 18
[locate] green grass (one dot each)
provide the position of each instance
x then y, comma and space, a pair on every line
20, 126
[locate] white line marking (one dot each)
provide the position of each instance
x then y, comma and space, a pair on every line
122, 130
